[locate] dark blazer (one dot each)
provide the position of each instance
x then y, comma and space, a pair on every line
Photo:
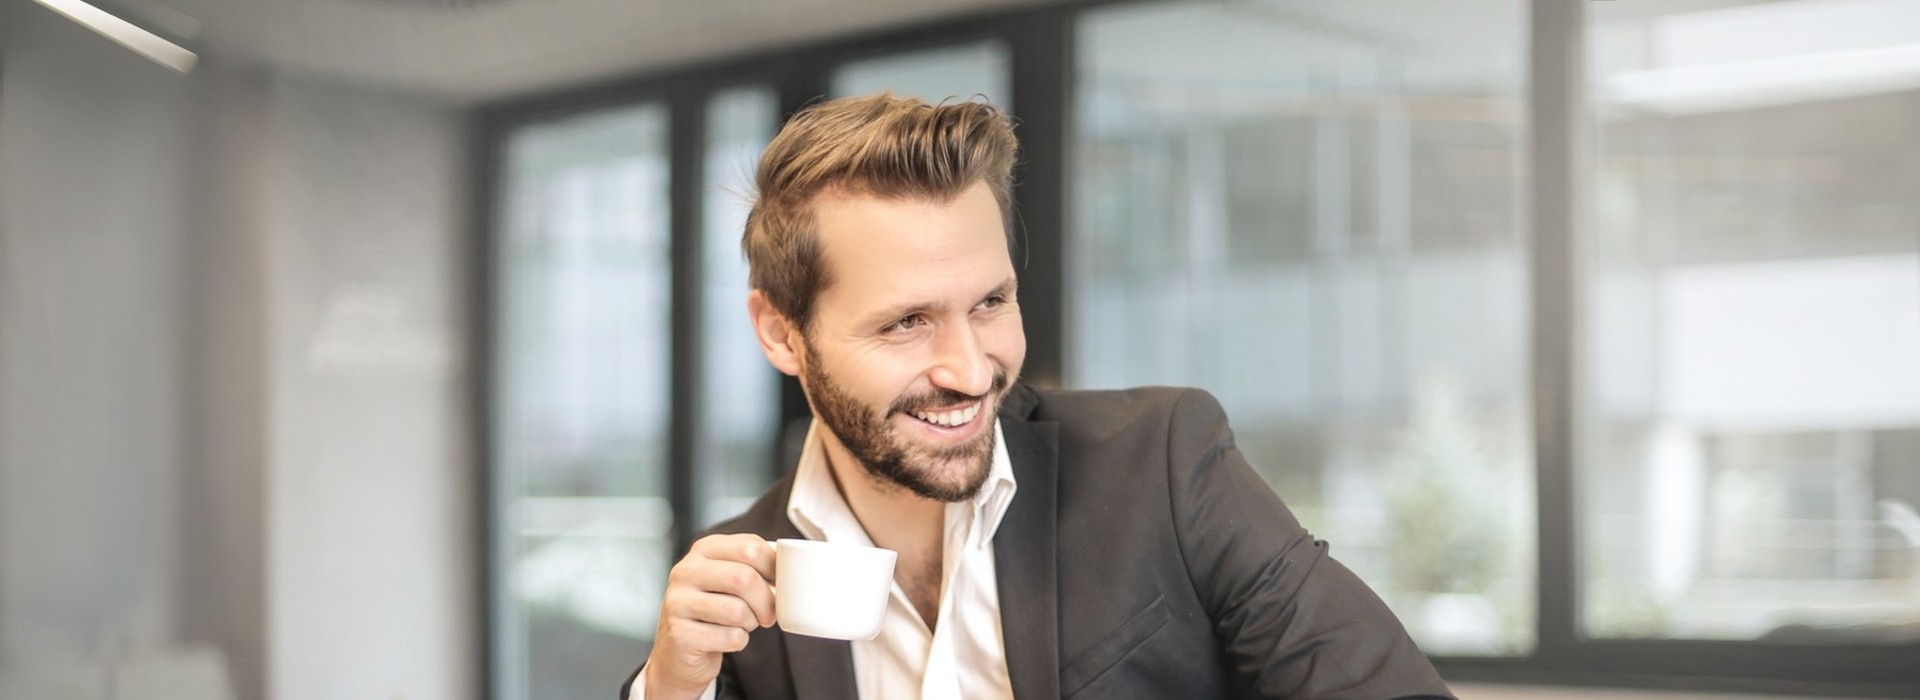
1140, 558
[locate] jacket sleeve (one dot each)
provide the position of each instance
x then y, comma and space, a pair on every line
1294, 622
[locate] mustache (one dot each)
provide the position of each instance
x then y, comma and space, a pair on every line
945, 397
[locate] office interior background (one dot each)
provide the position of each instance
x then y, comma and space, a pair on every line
395, 348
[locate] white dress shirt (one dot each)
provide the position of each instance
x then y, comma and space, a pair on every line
965, 656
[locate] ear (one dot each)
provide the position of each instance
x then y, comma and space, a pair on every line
779, 338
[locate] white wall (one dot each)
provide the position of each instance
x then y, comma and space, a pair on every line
371, 500
93, 219
233, 400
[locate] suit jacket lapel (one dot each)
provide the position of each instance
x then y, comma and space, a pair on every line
1025, 556
822, 669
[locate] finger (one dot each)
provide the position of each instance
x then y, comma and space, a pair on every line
701, 638
720, 609
746, 549
760, 600
736, 580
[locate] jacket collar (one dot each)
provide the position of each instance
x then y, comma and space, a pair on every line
1025, 551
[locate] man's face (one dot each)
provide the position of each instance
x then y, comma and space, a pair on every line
917, 339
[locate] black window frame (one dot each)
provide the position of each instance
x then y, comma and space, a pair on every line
1040, 44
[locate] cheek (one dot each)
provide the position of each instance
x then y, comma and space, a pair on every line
880, 378
1005, 340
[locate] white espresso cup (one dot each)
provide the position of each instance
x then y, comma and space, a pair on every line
836, 591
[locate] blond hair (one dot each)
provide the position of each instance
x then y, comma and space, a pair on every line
879, 146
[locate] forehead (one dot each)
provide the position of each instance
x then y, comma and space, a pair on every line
886, 251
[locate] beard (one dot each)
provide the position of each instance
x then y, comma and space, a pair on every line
887, 455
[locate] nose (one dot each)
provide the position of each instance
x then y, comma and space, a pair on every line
960, 363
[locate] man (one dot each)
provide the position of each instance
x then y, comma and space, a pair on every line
1051, 543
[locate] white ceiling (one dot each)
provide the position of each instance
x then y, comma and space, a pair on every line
468, 50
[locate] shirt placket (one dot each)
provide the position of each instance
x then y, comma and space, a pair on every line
942, 679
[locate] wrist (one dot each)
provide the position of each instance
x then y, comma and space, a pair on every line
657, 688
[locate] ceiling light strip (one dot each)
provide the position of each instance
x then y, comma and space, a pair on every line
124, 33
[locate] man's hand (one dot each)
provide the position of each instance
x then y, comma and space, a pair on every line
716, 595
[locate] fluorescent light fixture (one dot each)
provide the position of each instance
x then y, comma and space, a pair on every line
1766, 54
1769, 81
124, 33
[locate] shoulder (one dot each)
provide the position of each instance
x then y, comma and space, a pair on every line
767, 517
1126, 424
1132, 408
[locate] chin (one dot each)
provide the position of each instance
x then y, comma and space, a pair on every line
950, 481
968, 480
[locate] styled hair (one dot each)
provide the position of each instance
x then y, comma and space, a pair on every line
875, 146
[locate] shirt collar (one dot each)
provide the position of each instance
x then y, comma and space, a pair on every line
818, 509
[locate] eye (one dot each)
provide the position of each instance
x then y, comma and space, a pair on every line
993, 302
905, 324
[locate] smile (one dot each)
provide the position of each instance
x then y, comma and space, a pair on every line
951, 419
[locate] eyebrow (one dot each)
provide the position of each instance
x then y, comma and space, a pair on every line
895, 313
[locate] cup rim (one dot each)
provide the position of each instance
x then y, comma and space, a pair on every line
820, 545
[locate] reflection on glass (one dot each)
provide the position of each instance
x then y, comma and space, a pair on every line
740, 392
1753, 323
579, 474
1329, 238
952, 72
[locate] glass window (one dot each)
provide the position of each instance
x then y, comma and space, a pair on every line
1330, 238
1752, 323
956, 72
581, 544
740, 392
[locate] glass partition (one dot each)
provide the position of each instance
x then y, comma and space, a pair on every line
740, 392
950, 72
1752, 468
1314, 210
581, 537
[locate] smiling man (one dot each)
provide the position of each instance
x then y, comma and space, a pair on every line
1051, 544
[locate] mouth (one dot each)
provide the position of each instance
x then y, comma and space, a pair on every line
955, 417
948, 419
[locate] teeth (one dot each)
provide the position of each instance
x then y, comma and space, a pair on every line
950, 418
